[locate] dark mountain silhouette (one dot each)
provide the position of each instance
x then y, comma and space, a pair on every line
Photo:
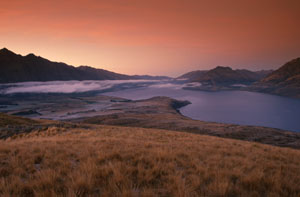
225, 76
263, 73
193, 75
284, 81
149, 77
96, 73
17, 68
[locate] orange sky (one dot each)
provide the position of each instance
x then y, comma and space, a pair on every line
160, 37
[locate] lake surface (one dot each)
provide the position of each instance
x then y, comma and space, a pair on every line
238, 107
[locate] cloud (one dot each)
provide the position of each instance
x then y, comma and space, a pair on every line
68, 86
167, 85
192, 84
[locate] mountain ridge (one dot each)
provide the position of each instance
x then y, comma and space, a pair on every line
18, 68
284, 81
224, 75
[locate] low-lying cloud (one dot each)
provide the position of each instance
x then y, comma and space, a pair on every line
167, 85
69, 86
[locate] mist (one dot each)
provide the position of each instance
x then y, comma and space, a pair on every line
71, 86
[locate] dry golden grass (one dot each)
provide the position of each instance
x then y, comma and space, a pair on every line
120, 161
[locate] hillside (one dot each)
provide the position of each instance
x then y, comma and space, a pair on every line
122, 161
284, 81
224, 76
149, 77
17, 68
227, 76
96, 73
15, 125
193, 75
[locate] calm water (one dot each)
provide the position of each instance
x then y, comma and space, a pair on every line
239, 107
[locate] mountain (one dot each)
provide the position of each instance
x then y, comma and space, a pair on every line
193, 75
17, 68
254, 75
224, 76
95, 74
284, 81
263, 73
149, 77
220, 76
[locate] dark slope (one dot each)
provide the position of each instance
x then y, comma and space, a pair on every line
284, 81
95, 74
17, 68
227, 76
224, 76
193, 75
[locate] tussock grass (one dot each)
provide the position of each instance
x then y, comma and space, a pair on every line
120, 161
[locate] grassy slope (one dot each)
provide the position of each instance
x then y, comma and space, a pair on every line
15, 125
122, 161
6, 120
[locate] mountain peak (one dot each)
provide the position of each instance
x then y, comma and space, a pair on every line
222, 68
6, 51
31, 55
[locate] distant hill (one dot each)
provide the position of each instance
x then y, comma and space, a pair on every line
225, 76
17, 68
284, 81
149, 77
193, 75
96, 74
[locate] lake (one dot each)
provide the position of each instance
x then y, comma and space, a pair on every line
237, 107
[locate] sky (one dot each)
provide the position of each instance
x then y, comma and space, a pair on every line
157, 37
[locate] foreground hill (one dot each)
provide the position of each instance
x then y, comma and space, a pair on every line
122, 161
285, 81
224, 76
15, 125
17, 68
